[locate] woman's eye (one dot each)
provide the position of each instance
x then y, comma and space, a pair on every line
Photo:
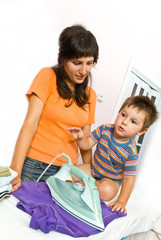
76, 63
90, 63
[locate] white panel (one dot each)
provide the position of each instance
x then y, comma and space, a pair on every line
136, 83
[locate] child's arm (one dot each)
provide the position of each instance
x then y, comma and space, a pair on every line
84, 143
126, 189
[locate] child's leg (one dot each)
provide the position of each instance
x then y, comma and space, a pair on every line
107, 188
86, 167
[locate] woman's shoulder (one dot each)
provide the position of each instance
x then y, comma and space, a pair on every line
48, 75
47, 71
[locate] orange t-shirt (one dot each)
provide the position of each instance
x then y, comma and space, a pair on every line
51, 137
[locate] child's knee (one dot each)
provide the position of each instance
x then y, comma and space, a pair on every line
106, 190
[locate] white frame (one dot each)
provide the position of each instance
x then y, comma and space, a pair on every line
147, 85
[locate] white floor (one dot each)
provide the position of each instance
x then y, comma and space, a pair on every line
150, 235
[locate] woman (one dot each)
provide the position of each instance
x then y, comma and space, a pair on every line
59, 98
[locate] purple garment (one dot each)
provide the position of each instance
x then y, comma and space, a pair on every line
47, 215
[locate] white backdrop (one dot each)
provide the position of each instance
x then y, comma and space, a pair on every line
125, 30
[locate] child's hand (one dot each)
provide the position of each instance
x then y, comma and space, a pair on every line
118, 206
76, 132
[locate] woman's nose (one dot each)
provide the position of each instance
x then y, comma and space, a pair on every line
83, 70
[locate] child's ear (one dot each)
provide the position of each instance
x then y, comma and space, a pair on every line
142, 132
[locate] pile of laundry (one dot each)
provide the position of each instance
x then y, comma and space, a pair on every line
6, 176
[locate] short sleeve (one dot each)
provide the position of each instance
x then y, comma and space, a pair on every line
96, 134
42, 84
92, 107
130, 165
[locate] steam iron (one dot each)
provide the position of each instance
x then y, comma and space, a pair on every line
83, 202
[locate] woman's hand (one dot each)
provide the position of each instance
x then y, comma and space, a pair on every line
16, 184
118, 206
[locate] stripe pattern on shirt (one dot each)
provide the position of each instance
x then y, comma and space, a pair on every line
112, 159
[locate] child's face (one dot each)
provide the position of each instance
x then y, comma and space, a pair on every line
129, 122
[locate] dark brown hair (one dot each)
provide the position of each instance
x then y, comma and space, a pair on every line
75, 42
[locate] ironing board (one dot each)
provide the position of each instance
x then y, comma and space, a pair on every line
142, 216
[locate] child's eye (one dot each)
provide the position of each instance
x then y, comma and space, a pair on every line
133, 122
123, 114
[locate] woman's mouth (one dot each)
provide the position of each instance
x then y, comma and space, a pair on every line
80, 77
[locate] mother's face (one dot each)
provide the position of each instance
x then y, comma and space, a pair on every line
77, 69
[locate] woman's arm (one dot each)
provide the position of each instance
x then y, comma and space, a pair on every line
25, 137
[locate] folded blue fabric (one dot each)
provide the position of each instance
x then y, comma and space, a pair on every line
47, 215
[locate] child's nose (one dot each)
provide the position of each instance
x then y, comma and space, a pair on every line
125, 121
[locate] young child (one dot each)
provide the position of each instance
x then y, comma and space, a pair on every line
115, 158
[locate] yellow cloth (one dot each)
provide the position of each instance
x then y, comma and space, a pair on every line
4, 171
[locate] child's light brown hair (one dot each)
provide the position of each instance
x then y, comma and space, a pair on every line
143, 103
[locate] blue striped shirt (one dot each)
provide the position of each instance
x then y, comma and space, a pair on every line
112, 159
